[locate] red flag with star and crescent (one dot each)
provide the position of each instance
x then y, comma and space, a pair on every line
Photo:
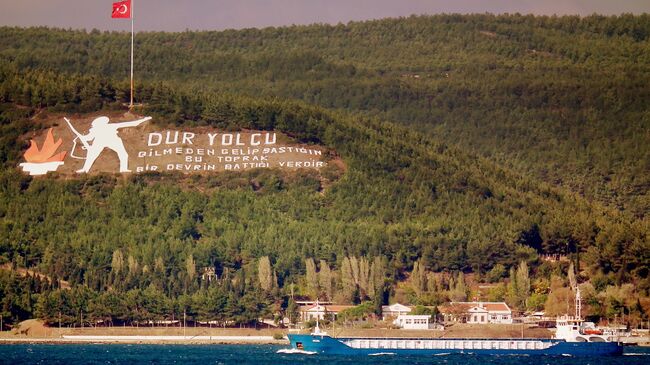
121, 9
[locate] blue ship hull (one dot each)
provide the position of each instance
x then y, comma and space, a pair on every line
324, 344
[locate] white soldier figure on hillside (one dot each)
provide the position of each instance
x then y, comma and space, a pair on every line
104, 135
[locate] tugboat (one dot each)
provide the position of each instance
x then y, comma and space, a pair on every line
570, 339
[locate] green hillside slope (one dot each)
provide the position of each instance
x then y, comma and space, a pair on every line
473, 184
403, 198
561, 98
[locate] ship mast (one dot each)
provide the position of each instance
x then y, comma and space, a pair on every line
578, 303
317, 329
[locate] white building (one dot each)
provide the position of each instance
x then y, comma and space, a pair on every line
477, 312
394, 311
412, 322
329, 312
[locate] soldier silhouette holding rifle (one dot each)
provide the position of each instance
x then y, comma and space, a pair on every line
104, 135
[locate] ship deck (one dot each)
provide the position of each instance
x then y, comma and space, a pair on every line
447, 343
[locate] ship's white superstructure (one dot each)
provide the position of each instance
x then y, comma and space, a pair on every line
575, 329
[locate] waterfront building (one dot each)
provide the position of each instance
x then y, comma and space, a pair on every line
477, 312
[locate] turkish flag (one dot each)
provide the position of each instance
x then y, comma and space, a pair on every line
121, 9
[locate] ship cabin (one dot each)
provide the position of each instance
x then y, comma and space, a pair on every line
574, 329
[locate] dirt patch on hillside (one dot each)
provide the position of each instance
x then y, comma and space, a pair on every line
31, 328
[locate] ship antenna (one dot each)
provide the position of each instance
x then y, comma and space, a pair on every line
578, 303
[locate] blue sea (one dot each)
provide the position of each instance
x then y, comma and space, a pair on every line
266, 354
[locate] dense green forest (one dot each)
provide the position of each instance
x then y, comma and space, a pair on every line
561, 98
474, 146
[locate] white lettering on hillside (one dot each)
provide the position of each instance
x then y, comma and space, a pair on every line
225, 139
200, 152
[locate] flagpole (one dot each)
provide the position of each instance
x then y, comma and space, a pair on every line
132, 33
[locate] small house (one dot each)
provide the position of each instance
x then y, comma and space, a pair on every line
328, 312
394, 311
477, 312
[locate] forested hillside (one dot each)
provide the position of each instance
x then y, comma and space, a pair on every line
561, 98
470, 187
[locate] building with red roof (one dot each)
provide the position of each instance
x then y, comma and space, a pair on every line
477, 312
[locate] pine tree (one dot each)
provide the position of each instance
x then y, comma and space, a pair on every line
325, 279
433, 286
293, 312
117, 263
513, 289
348, 285
354, 266
274, 281
523, 284
518, 289
364, 273
311, 278
377, 275
459, 291
264, 273
418, 278
190, 267
134, 267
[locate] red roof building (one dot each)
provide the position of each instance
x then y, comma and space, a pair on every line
330, 311
477, 312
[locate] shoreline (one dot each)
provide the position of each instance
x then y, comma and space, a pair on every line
33, 331
192, 340
148, 340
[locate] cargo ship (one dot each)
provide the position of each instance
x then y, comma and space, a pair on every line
571, 339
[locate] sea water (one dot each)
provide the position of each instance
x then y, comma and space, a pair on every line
268, 354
